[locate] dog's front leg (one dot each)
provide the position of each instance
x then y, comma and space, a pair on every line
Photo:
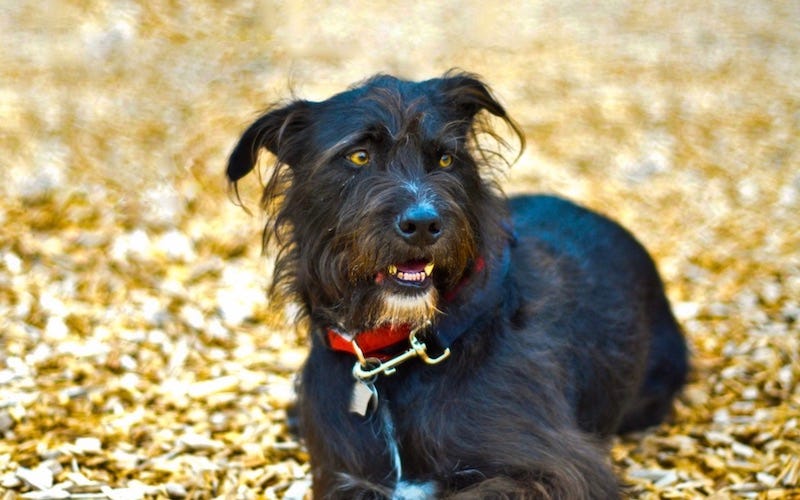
352, 456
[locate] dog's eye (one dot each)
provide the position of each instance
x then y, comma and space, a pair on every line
445, 160
359, 158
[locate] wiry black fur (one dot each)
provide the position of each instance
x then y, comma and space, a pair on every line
583, 345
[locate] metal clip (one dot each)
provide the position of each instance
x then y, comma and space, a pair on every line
388, 367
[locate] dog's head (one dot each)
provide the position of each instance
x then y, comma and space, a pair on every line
380, 200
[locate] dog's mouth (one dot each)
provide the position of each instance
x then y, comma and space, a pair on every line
414, 273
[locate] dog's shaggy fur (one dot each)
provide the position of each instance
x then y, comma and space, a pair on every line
564, 333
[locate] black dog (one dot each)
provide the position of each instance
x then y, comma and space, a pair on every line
463, 345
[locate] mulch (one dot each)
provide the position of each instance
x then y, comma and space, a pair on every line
140, 357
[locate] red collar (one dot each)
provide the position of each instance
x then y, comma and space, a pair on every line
371, 342
374, 342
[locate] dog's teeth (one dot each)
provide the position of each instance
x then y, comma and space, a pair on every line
415, 276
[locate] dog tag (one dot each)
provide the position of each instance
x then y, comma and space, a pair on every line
364, 397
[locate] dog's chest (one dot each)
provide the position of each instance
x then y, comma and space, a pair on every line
423, 415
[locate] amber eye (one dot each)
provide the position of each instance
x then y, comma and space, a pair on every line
445, 160
359, 158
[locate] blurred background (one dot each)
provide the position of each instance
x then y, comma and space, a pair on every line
139, 353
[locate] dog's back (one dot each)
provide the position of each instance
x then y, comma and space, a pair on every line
610, 304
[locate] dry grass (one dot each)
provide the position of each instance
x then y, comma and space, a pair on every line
139, 356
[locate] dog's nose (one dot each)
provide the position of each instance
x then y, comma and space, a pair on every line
419, 225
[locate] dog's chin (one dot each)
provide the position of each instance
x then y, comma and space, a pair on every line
406, 294
414, 308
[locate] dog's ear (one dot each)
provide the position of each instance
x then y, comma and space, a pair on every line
467, 94
278, 130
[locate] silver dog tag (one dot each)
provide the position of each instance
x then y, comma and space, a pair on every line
363, 398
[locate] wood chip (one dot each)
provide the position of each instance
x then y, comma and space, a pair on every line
88, 445
196, 442
50, 494
175, 490
206, 388
298, 490
40, 478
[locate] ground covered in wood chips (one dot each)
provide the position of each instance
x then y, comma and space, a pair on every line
139, 355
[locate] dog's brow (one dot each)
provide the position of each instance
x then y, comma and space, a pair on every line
355, 138
346, 143
339, 147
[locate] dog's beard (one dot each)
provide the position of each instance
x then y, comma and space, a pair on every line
403, 309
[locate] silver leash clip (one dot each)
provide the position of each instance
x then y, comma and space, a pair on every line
368, 368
